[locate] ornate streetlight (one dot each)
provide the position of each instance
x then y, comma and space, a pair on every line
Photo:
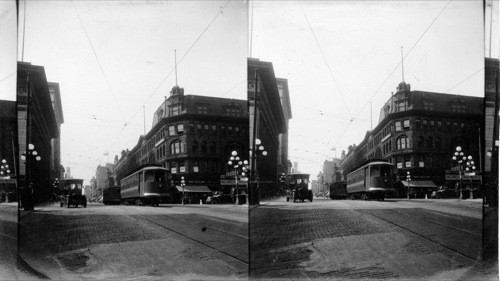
28, 158
470, 168
236, 163
282, 182
460, 158
258, 150
408, 179
4, 172
183, 184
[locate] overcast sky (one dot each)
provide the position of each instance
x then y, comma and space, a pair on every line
112, 58
338, 57
8, 65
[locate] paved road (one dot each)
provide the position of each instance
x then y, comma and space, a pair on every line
346, 239
131, 242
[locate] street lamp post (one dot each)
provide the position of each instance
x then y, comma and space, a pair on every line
28, 158
470, 169
459, 157
408, 179
4, 172
255, 153
183, 184
236, 163
282, 182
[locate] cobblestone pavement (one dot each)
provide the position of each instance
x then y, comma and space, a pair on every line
342, 239
129, 242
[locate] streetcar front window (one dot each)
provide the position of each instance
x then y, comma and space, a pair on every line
149, 176
160, 176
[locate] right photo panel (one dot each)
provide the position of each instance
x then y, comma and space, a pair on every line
373, 140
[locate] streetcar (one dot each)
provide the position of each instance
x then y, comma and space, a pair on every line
71, 193
297, 187
148, 185
338, 190
372, 180
112, 195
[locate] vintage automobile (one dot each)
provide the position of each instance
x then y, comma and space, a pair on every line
297, 187
71, 193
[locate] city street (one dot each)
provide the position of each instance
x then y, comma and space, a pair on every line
344, 239
136, 242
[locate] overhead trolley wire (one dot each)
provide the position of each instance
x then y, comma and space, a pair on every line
326, 62
98, 61
392, 72
220, 12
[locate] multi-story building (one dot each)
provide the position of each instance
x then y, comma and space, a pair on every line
283, 162
55, 157
419, 132
267, 123
193, 136
102, 177
37, 127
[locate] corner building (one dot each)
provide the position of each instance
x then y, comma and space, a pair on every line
418, 132
192, 136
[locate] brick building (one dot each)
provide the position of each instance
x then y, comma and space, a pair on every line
419, 132
192, 136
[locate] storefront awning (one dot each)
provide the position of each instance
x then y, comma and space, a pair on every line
194, 188
419, 183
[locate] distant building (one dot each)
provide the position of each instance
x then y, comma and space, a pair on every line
102, 177
8, 148
283, 137
329, 174
418, 132
67, 174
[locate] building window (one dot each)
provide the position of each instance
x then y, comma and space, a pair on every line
401, 106
202, 108
407, 161
182, 168
206, 127
428, 105
399, 162
438, 142
440, 123
237, 131
214, 129
421, 162
213, 147
177, 147
195, 166
223, 130
175, 110
398, 126
195, 146
420, 143
429, 142
173, 167
171, 131
199, 129
424, 122
432, 122
229, 130
204, 147
458, 107
402, 142
160, 114
233, 110
406, 124
417, 123
180, 129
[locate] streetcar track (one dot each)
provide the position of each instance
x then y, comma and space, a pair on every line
192, 239
424, 219
420, 235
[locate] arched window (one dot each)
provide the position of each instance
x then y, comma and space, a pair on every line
429, 142
204, 146
438, 142
420, 142
176, 147
213, 147
195, 146
402, 143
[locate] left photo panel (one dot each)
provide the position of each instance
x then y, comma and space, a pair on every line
9, 162
128, 123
